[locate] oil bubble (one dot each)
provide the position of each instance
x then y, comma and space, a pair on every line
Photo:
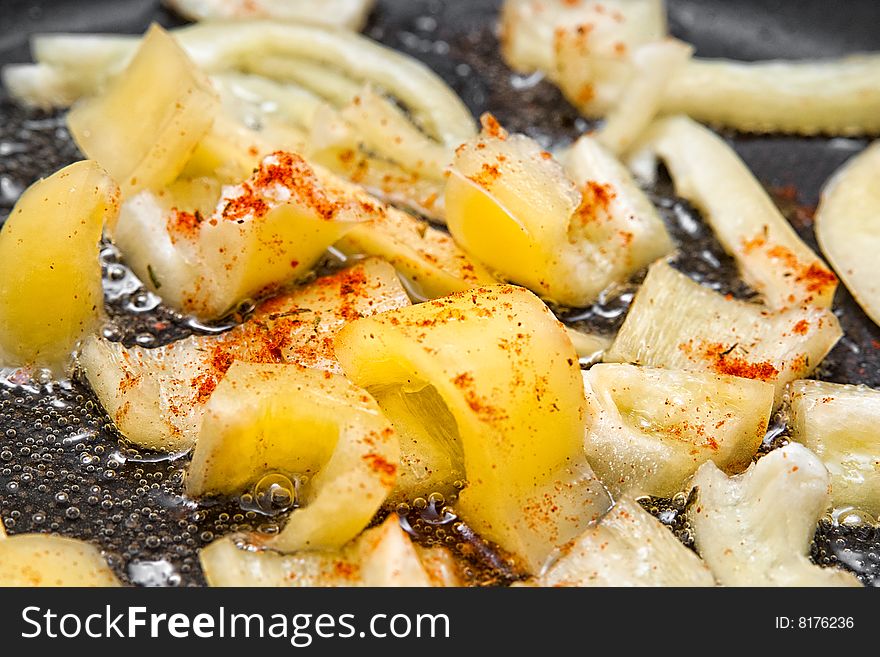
275, 493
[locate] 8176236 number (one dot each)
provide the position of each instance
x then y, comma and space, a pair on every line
815, 622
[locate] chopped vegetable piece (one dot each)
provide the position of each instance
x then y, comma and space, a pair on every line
156, 397
841, 425
218, 47
145, 139
342, 13
264, 419
591, 49
709, 173
835, 96
263, 233
677, 323
428, 258
655, 64
52, 561
486, 384
653, 428
50, 276
565, 235
381, 556
589, 347
755, 529
627, 547
848, 227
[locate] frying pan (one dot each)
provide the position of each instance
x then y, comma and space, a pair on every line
62, 466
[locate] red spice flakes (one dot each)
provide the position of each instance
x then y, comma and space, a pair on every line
252, 7
123, 411
596, 201
221, 360
800, 363
486, 412
247, 204
491, 127
349, 312
684, 430
487, 175
512, 346
351, 281
802, 327
361, 169
723, 361
378, 464
764, 371
183, 223
558, 38
817, 278
346, 570
784, 254
583, 30
350, 286
755, 243
371, 208
585, 94
294, 173
128, 382
204, 386
278, 338
278, 306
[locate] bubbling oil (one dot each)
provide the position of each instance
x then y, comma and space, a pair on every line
432, 521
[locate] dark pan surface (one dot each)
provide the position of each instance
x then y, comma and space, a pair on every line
62, 466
